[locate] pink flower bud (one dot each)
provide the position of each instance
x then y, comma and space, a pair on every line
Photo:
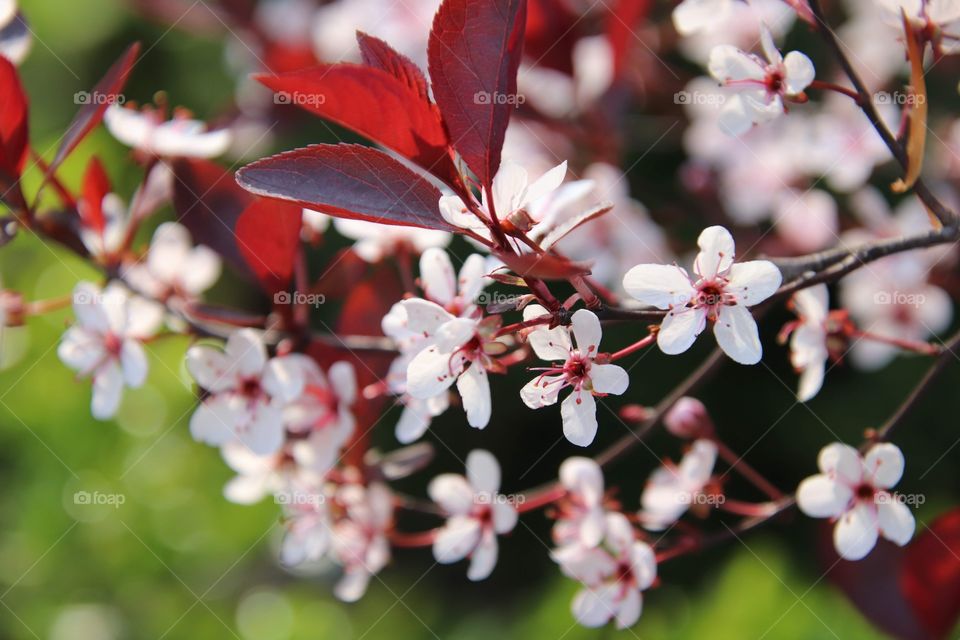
688, 418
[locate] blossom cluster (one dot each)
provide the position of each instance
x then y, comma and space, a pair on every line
472, 259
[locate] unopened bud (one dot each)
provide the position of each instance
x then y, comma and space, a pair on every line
634, 413
688, 418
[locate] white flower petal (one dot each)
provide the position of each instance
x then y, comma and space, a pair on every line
474, 388
799, 72
582, 477
729, 64
628, 611
107, 391
437, 277
586, 331
856, 532
717, 252
579, 413
456, 539
133, 360
883, 465
210, 368
658, 285
431, 373
246, 352
680, 328
594, 606
754, 281
484, 558
424, 317
483, 471
452, 492
508, 187
505, 517
542, 391
895, 521
472, 278
609, 378
736, 333
841, 461
822, 497
545, 184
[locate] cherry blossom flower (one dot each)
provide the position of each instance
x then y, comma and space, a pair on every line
174, 267
672, 488
308, 521
247, 393
580, 371
477, 514
721, 294
808, 341
374, 241
321, 412
704, 24
613, 575
761, 85
413, 326
460, 351
105, 344
893, 297
147, 131
257, 476
512, 191
359, 538
854, 491
939, 18
582, 516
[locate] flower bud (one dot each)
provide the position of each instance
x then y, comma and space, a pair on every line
688, 418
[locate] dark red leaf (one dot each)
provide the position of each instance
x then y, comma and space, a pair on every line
373, 103
96, 185
13, 119
474, 52
930, 575
347, 181
103, 94
871, 585
543, 267
377, 53
13, 134
209, 202
622, 19
268, 234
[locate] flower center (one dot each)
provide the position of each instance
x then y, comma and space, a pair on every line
774, 81
250, 388
865, 492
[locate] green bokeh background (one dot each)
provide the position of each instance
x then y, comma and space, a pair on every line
176, 560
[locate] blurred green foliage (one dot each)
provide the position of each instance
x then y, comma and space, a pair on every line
176, 560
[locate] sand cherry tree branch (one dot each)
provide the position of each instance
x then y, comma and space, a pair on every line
948, 354
946, 217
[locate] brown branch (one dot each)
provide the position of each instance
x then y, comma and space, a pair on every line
946, 217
